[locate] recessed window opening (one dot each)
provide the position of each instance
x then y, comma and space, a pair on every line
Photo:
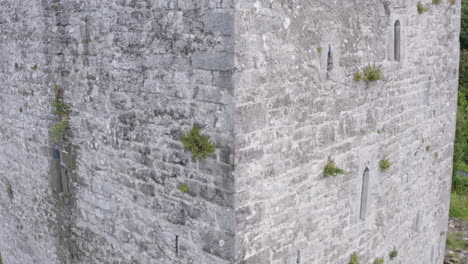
329, 59
55, 154
417, 224
56, 171
365, 186
177, 245
397, 38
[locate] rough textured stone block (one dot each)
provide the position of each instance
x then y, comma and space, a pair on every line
213, 61
271, 83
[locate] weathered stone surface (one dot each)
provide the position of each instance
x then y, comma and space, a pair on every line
314, 113
213, 61
138, 73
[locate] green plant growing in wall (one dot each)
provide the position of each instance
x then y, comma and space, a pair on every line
55, 8
436, 2
393, 254
34, 67
384, 164
10, 191
183, 187
421, 8
1, 260
331, 169
319, 50
62, 110
16, 65
379, 261
57, 90
358, 76
428, 148
371, 73
354, 259
200, 145
58, 129
453, 2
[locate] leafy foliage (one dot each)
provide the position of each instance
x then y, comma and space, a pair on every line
393, 254
59, 107
384, 164
458, 206
421, 8
354, 259
459, 195
455, 242
436, 2
459, 199
58, 129
62, 110
371, 73
331, 169
460, 155
200, 145
460, 185
379, 261
358, 76
464, 25
183, 188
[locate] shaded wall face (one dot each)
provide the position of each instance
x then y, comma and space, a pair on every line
136, 75
297, 104
28, 215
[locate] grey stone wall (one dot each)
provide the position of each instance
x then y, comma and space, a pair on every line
293, 111
138, 73
28, 233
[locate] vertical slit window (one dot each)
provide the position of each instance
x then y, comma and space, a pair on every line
56, 171
329, 59
397, 38
177, 245
365, 186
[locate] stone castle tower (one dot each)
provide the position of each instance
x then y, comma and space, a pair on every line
271, 83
